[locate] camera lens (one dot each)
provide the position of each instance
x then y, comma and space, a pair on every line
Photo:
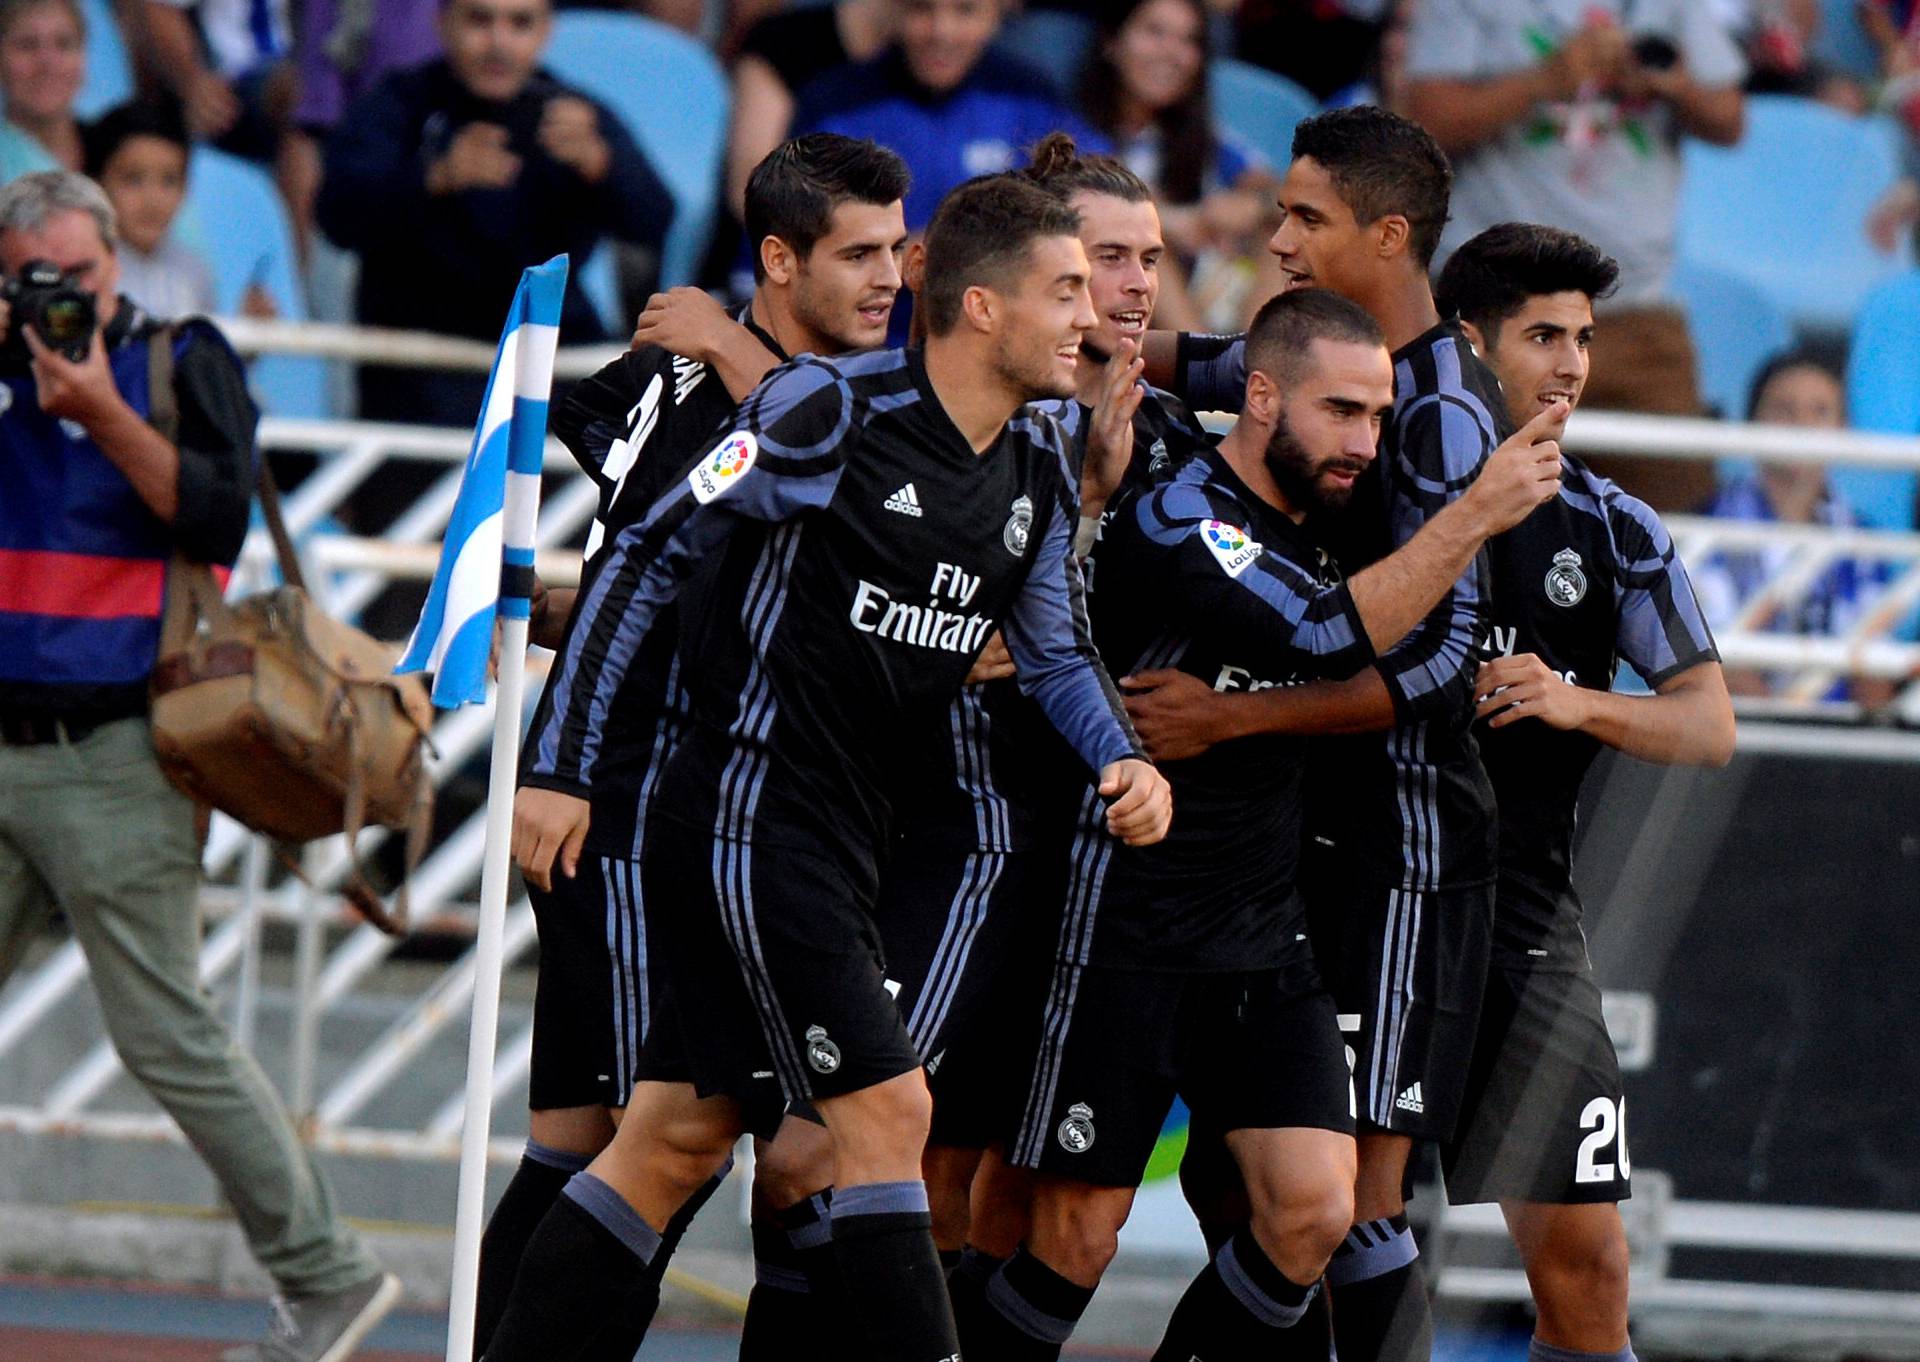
67, 319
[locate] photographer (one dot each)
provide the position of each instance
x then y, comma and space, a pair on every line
94, 503
1571, 113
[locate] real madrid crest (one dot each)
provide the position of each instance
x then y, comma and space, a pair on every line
1076, 1132
1566, 583
822, 1053
1019, 526
1157, 457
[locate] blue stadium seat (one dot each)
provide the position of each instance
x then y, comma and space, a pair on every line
234, 217
1883, 394
1260, 108
673, 97
1736, 329
109, 74
1786, 208
1056, 42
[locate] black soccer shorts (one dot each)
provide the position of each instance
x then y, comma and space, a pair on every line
946, 915
1545, 1115
774, 989
594, 995
1407, 970
1249, 1051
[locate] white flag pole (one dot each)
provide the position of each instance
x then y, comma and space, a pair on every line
483, 1037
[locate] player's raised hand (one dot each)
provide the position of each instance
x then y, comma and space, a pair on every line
995, 663
1176, 715
1523, 687
1110, 428
1140, 802
1522, 473
548, 825
686, 321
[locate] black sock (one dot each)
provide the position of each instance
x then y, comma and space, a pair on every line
895, 1293
578, 1267
791, 1248
1380, 1307
1240, 1305
967, 1289
621, 1336
949, 1260
1029, 1312
529, 1196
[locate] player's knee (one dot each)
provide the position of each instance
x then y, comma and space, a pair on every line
685, 1154
1075, 1236
1301, 1229
1584, 1274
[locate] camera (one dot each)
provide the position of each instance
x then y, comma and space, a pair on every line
60, 312
1655, 52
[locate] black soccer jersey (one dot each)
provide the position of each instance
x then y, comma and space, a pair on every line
861, 553
1587, 579
1202, 575
991, 770
634, 427
1411, 808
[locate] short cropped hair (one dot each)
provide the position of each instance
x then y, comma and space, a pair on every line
1063, 170
1382, 164
1285, 328
13, 11
983, 234
794, 191
1489, 279
27, 202
152, 116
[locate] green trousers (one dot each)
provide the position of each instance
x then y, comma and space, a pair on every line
93, 828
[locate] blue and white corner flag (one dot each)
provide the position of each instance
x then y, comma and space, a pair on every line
486, 563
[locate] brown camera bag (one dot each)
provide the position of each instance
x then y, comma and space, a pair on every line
284, 719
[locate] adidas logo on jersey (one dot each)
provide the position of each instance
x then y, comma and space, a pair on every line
1410, 1100
906, 501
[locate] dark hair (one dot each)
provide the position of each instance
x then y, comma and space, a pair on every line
1490, 277
981, 233
793, 192
1288, 324
1826, 358
13, 11
157, 116
1063, 170
1382, 164
1186, 128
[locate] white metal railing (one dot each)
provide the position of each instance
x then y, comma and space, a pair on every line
348, 571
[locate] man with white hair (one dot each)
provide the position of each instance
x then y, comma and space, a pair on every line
95, 501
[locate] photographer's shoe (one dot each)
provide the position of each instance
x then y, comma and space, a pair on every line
322, 1328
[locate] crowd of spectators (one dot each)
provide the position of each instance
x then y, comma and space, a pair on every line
427, 139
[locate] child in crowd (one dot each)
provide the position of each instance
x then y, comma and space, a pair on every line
138, 152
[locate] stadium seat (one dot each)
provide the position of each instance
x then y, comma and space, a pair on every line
234, 217
1259, 107
673, 97
1056, 42
1786, 208
1883, 394
109, 74
1736, 328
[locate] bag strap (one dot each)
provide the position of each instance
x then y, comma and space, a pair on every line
290, 571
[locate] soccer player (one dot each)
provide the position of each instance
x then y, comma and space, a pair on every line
820, 623
1400, 865
826, 212
1587, 579
1185, 966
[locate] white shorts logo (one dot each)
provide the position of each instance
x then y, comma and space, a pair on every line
822, 1053
1076, 1132
1230, 546
720, 470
